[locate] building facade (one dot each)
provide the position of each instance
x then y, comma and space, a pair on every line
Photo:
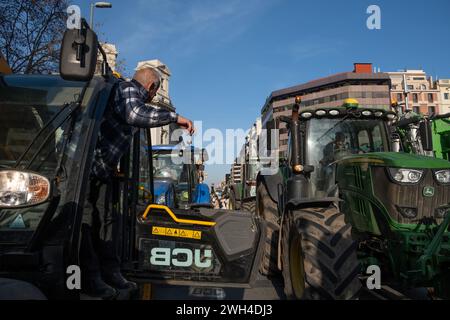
443, 86
111, 56
370, 89
414, 90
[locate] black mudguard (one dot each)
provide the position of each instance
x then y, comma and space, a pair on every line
175, 248
237, 194
271, 182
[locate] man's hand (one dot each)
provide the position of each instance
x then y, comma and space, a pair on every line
186, 124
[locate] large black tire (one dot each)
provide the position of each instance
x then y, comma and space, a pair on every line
319, 256
267, 209
249, 206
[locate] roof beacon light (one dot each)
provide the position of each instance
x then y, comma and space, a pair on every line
350, 103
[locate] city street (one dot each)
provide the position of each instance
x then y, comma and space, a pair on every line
146, 145
265, 289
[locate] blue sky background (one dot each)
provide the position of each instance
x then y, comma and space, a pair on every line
226, 57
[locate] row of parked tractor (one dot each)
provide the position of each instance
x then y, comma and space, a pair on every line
358, 187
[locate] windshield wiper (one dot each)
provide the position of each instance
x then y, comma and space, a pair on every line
69, 108
18, 161
49, 135
337, 123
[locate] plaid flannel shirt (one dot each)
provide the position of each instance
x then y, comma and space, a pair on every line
123, 116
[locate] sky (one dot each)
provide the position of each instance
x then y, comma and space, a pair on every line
226, 57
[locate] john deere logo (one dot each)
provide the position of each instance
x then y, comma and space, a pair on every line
428, 191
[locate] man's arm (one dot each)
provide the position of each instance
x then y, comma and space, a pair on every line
138, 114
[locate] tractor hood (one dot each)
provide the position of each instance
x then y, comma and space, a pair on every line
398, 160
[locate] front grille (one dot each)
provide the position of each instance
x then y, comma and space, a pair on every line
410, 196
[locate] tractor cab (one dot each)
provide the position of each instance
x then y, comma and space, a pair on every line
50, 127
178, 173
330, 134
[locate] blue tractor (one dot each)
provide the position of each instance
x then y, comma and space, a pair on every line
178, 175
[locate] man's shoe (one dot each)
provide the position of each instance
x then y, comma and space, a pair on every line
117, 281
96, 287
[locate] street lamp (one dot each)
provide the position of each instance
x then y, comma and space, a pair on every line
97, 5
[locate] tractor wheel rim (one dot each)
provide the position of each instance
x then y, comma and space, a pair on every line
296, 267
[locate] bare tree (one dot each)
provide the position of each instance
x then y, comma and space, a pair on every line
120, 63
121, 67
31, 33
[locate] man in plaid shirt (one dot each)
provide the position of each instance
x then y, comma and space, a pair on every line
126, 112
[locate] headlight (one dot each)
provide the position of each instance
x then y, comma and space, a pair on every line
406, 175
441, 211
442, 176
367, 113
306, 115
408, 213
19, 188
378, 113
321, 113
391, 116
333, 112
161, 199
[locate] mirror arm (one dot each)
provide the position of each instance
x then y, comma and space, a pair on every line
106, 69
285, 119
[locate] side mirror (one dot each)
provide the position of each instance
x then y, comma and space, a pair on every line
426, 135
285, 119
78, 54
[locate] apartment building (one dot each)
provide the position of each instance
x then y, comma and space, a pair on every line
369, 88
443, 85
416, 91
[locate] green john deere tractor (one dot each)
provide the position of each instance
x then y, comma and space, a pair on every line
422, 134
344, 201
